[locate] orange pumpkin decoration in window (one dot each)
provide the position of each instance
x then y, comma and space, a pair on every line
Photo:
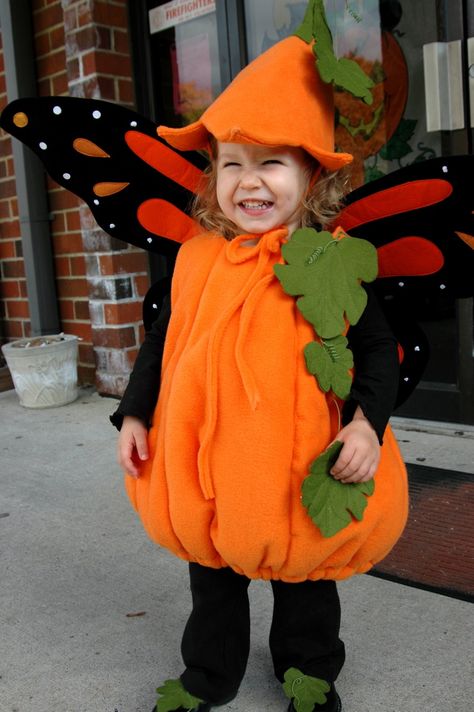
363, 129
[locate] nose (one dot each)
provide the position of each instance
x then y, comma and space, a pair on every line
250, 179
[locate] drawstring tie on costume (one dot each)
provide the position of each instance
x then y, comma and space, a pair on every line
247, 299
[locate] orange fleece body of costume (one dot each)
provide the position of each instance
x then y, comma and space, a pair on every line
239, 420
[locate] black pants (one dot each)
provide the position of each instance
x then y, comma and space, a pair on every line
215, 646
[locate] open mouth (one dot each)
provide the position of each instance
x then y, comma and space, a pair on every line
255, 205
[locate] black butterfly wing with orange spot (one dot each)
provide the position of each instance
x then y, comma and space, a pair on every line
137, 187
421, 220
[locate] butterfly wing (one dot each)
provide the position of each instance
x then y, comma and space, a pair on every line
421, 220
137, 187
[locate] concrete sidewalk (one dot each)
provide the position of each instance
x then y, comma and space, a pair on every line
92, 613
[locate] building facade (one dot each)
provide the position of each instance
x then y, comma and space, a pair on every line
168, 60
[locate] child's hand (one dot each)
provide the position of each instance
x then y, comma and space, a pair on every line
360, 454
132, 446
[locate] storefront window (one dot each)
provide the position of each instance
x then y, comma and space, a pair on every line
185, 59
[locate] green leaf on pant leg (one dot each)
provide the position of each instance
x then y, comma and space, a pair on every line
304, 690
331, 503
175, 696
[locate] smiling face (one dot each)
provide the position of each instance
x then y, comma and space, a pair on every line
260, 188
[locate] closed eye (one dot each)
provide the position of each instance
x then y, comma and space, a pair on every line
228, 164
271, 161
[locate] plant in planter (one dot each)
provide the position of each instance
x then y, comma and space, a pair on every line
43, 369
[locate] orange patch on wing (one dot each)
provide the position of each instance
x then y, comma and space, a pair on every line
164, 159
20, 119
108, 188
88, 148
164, 219
468, 239
409, 257
395, 200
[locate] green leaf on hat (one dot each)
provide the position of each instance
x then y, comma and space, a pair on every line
331, 503
305, 691
330, 362
343, 73
174, 697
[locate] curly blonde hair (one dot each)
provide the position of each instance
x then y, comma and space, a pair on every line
320, 205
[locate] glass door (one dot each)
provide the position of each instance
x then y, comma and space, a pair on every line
414, 51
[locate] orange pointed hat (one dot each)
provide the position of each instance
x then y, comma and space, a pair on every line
279, 99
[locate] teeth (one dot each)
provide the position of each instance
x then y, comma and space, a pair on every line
255, 204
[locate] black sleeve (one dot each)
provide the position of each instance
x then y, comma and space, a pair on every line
143, 387
376, 367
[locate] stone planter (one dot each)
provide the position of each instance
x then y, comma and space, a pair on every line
43, 369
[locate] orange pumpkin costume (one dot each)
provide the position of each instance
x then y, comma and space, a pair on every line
238, 421
239, 418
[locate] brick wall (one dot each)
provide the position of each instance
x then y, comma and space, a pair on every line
82, 49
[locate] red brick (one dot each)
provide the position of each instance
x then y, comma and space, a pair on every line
105, 37
53, 63
23, 288
78, 328
124, 263
7, 248
65, 244
61, 199
48, 17
126, 93
42, 44
113, 64
56, 37
58, 223
114, 338
85, 374
78, 266
10, 228
73, 221
73, 69
9, 289
18, 309
107, 88
86, 353
13, 329
66, 310
44, 87
121, 42
59, 84
142, 285
7, 188
72, 287
110, 15
13, 268
84, 15
81, 310
88, 63
123, 313
62, 266
4, 210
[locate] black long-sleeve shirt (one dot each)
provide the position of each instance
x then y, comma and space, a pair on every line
374, 388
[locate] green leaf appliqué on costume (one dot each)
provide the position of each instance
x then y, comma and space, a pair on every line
175, 696
330, 362
330, 503
304, 690
326, 272
343, 73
